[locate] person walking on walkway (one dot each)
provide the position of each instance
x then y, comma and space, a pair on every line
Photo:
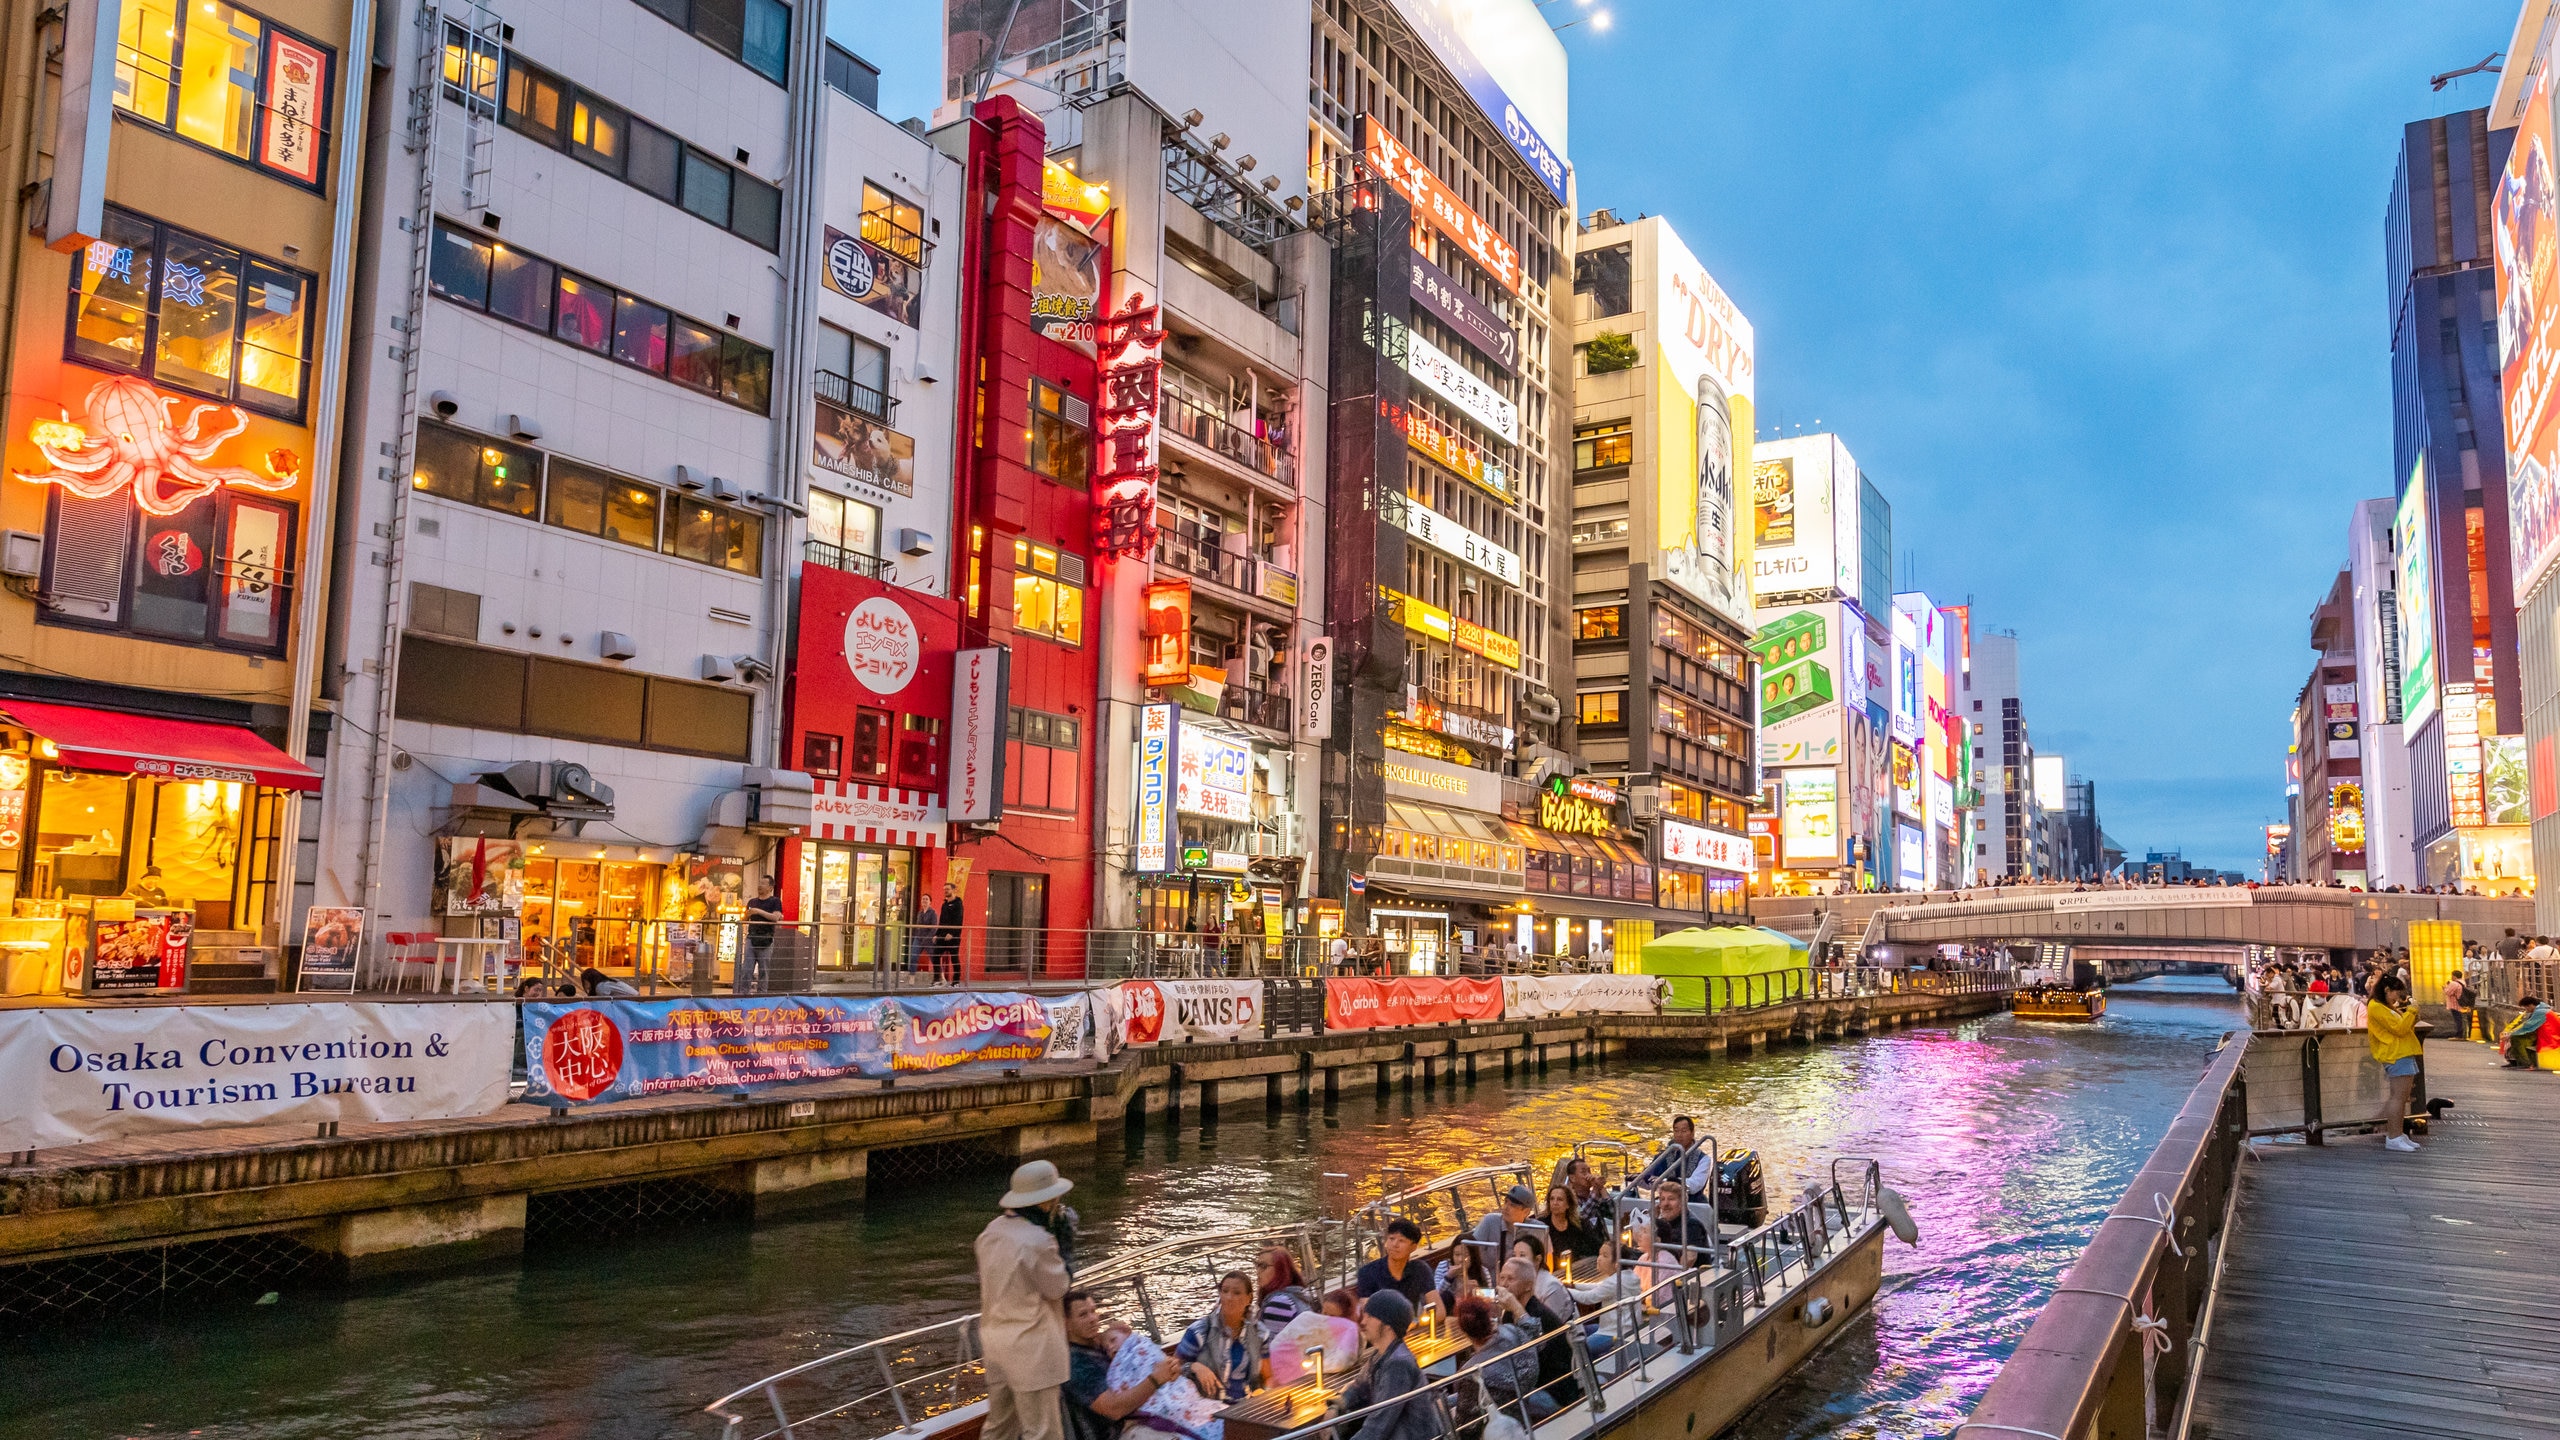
762, 912
2457, 1001
2391, 1032
1022, 1286
946, 936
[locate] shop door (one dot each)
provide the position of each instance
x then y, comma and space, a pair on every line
1017, 923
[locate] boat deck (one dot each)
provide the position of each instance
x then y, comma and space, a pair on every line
2369, 1294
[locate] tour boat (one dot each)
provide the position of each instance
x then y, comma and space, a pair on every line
1696, 1344
2070, 1006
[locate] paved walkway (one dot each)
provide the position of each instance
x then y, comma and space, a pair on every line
2370, 1294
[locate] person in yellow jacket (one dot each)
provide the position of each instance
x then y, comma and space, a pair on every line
2391, 1031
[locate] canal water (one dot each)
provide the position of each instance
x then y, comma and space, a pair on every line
2009, 1140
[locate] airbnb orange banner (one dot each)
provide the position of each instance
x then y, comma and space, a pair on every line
1409, 1000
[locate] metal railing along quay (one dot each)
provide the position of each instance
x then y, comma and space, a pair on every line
2117, 1349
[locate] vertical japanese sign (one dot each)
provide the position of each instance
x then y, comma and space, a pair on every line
1124, 508
1157, 732
2417, 601
297, 77
980, 682
1315, 689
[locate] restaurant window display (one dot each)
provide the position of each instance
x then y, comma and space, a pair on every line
163, 856
607, 908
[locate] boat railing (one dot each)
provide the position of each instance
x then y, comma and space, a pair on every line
875, 1388
1440, 1207
1179, 1278
1621, 1348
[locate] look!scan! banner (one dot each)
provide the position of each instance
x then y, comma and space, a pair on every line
596, 1051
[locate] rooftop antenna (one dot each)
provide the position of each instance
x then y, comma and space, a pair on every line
2489, 66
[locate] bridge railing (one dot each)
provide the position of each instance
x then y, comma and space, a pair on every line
1720, 994
2508, 981
2115, 1352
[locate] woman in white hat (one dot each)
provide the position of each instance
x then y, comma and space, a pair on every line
1021, 1323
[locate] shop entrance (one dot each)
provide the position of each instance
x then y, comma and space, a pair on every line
1415, 941
859, 899
1017, 923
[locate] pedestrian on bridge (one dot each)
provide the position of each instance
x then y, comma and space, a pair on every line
1022, 1280
2391, 1032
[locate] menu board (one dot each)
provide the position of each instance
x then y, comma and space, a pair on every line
332, 939
147, 952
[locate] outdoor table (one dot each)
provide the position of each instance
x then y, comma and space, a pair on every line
478, 964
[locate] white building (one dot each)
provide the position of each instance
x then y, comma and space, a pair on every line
2373, 580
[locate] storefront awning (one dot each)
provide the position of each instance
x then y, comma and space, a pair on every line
1544, 841
122, 744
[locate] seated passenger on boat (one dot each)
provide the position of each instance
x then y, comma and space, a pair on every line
1495, 1229
1397, 1270
1510, 1380
1094, 1410
1590, 1198
1462, 1274
1225, 1348
1570, 1231
1282, 1293
1675, 1229
1520, 1305
1675, 1158
1551, 1291
1392, 1375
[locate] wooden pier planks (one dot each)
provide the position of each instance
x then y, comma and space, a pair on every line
2372, 1294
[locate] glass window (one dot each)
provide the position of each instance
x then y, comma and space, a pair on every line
574, 500
1047, 600
1598, 447
595, 133
678, 11
252, 572
447, 464
656, 156
586, 314
746, 373
706, 188
767, 45
694, 357
639, 333
520, 287
199, 312
756, 211
533, 102
1598, 624
273, 332
466, 74
892, 224
218, 77
459, 269
1601, 707
721, 24
173, 581
692, 718
476, 470
631, 513
826, 518
716, 535
147, 59
1061, 446
110, 293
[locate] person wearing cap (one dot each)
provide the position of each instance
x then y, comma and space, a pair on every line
1493, 1233
1393, 1376
1022, 1280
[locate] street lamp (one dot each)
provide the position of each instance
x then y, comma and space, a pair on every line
1599, 18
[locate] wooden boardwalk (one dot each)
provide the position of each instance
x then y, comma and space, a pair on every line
2372, 1294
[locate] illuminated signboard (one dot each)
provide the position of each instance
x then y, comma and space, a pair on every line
1439, 207
2466, 791
1809, 816
1412, 777
1070, 194
1455, 451
2276, 836
1459, 386
1213, 775
1157, 727
1686, 844
2346, 817
980, 682
1561, 808
1451, 538
1124, 511
1493, 645
129, 439
1315, 696
1425, 618
1168, 633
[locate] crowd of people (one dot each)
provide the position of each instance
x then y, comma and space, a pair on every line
1504, 1303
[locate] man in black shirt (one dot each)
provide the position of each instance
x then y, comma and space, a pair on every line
1397, 1270
1675, 1229
1094, 1412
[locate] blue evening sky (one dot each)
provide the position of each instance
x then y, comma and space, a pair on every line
2093, 292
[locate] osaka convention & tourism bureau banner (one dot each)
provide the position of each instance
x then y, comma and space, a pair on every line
76, 1075
595, 1051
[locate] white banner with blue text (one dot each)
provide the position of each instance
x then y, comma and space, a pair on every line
74, 1075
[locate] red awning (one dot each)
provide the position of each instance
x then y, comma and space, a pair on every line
125, 744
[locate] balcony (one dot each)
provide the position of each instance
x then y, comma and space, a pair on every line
1194, 420
836, 557
1254, 707
1200, 558
859, 398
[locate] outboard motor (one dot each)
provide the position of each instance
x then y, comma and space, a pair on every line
1742, 1196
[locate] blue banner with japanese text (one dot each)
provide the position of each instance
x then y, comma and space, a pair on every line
591, 1051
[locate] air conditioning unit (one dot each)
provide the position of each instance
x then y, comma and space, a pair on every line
917, 542
1644, 802
21, 554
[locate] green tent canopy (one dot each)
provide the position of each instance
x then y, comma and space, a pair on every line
1723, 950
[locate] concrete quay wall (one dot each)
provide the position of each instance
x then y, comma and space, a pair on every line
389, 1198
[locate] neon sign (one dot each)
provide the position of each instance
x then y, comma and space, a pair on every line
130, 440
1168, 633
1564, 809
1156, 734
1132, 349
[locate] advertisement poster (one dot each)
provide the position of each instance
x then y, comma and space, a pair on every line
2508, 784
1213, 775
862, 449
2527, 221
1066, 282
332, 939
1506, 57
861, 271
1534, 996
2417, 603
1703, 452
1157, 1012
1409, 1000
1804, 518
297, 98
1158, 728
476, 875
1809, 817
1773, 506
981, 699
145, 953
602, 1050
78, 1075
1442, 294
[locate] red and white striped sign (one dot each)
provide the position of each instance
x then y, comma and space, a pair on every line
876, 814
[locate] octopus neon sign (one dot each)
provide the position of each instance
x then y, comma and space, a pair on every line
129, 438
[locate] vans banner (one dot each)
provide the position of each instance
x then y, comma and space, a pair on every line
1155, 1012
75, 1075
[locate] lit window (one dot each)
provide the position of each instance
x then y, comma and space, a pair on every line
1601, 707
1061, 446
226, 79
1048, 593
892, 224
1598, 447
190, 313
1602, 623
